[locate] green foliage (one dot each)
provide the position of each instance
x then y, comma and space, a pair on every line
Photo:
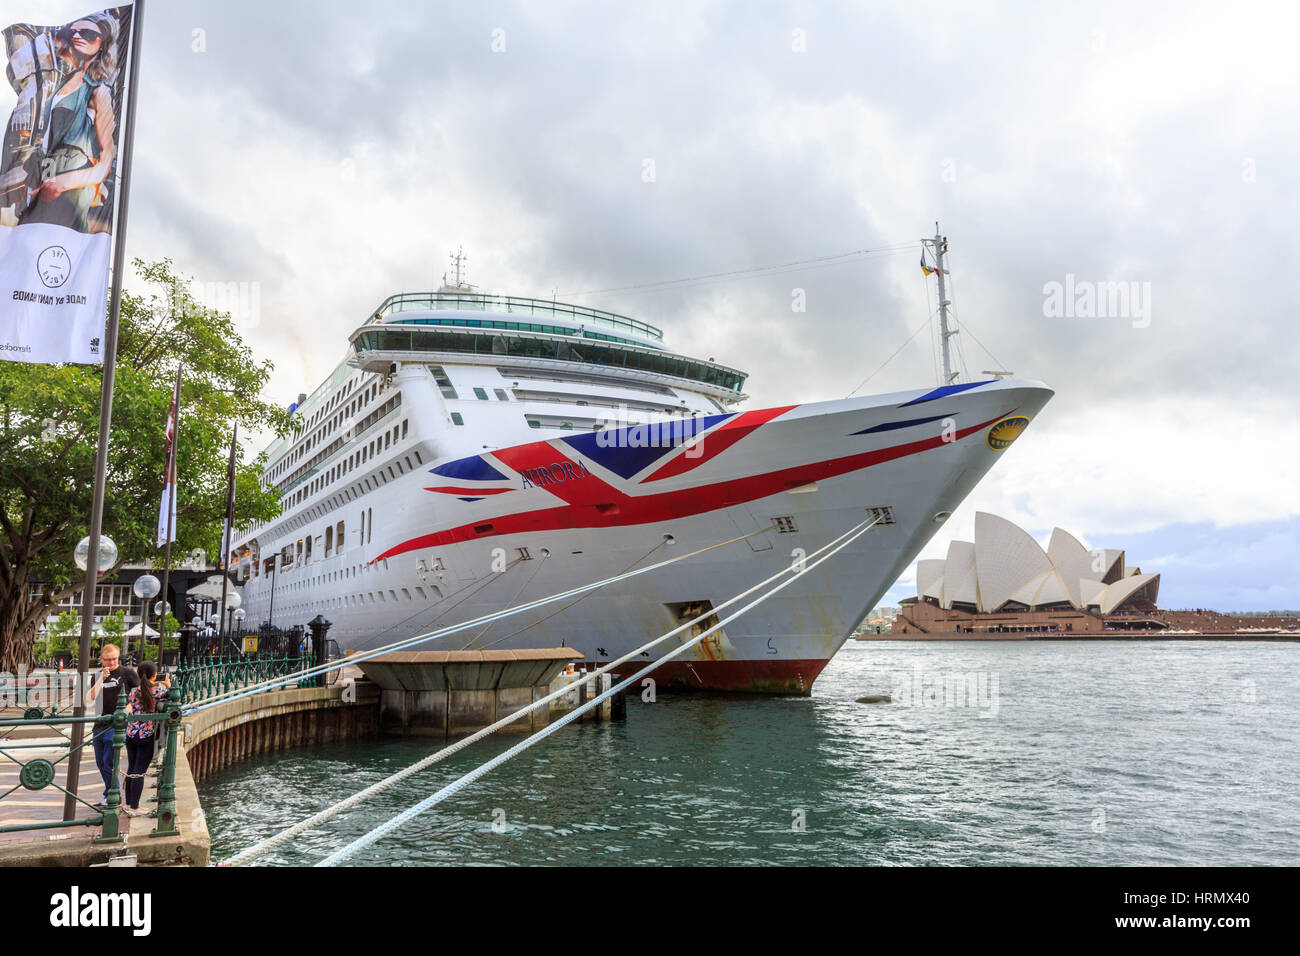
64, 632
49, 416
169, 628
113, 626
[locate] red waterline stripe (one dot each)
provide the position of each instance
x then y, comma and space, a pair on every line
470, 491
756, 676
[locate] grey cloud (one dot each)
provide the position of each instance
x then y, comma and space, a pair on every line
558, 125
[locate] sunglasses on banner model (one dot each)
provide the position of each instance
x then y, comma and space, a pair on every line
69, 34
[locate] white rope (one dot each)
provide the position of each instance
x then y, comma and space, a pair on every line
344, 854
270, 843
319, 669
560, 610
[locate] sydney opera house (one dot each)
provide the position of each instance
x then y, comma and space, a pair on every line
1004, 581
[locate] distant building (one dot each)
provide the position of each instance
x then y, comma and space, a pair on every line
1004, 581
114, 592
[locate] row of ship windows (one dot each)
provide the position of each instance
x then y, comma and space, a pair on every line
333, 534
345, 466
424, 593
522, 327
332, 402
367, 394
563, 424
359, 428
377, 446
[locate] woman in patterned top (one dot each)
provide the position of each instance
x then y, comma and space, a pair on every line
141, 735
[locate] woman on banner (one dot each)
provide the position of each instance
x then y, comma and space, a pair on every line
82, 123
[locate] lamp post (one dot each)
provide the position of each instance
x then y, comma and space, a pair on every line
239, 623
233, 602
226, 624
146, 586
107, 558
160, 611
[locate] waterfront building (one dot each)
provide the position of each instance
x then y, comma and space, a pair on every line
1005, 581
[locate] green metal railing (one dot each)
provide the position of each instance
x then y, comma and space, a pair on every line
199, 678
38, 773
195, 680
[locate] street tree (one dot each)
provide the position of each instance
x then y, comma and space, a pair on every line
50, 416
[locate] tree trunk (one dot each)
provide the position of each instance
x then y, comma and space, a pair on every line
22, 614
18, 629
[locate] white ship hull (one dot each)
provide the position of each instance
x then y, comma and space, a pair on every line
445, 545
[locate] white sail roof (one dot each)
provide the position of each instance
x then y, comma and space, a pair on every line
960, 582
929, 578
1006, 558
1046, 588
1005, 564
1125, 588
1093, 593
1073, 560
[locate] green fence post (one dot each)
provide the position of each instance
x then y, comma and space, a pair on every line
166, 825
110, 831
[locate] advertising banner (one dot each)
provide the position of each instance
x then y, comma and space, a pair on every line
58, 170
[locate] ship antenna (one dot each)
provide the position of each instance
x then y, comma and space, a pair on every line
938, 246
458, 258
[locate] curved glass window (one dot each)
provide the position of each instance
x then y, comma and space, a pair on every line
594, 353
524, 327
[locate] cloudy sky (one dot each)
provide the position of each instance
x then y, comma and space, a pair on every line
329, 154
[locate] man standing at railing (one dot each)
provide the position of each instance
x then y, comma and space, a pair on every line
112, 679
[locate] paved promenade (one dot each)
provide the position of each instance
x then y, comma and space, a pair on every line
22, 806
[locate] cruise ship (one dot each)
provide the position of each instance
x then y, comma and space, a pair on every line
473, 452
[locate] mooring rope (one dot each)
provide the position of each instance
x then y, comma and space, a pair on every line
315, 820
578, 600
361, 842
514, 597
319, 669
467, 592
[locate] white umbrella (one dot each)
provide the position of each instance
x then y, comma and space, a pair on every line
135, 631
209, 589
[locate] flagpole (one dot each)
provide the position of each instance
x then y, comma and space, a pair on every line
171, 510
105, 419
225, 553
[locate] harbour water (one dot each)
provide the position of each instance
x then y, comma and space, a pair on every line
1108, 753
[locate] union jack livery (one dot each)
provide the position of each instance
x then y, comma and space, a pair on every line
474, 452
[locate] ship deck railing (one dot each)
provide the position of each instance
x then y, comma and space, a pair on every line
482, 302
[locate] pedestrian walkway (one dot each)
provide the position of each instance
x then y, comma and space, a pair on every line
24, 807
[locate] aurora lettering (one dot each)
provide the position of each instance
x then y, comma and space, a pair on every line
554, 474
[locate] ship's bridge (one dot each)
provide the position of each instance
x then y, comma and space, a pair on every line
470, 328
